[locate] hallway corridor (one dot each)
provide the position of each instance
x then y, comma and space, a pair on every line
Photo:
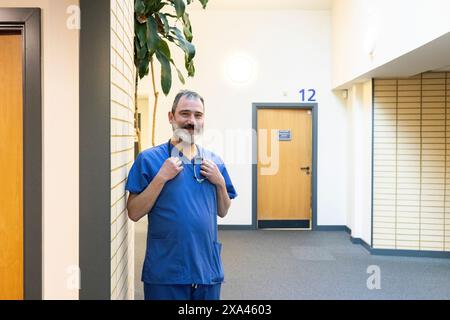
267, 264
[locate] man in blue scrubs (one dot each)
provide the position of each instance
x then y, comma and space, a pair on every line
182, 187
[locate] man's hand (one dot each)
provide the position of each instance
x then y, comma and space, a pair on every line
170, 169
211, 172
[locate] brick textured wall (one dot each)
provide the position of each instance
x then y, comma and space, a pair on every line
122, 146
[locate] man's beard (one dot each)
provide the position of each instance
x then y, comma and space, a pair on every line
182, 134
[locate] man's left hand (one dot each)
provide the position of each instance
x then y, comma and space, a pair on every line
211, 172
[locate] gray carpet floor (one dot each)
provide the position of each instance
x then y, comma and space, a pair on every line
295, 265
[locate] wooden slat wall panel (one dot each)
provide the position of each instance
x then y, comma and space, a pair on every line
411, 202
447, 165
385, 163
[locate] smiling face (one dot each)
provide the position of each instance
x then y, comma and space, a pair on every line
188, 119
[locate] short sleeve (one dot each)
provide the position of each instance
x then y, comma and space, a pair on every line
230, 188
140, 175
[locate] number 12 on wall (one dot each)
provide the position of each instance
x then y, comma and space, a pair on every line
307, 95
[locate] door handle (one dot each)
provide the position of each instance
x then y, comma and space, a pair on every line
307, 169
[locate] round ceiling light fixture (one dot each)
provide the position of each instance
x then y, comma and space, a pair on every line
240, 68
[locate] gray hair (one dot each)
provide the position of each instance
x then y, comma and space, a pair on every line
188, 94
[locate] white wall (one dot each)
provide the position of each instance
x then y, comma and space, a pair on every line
392, 27
359, 104
60, 110
291, 50
389, 29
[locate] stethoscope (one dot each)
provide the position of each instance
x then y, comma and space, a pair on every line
196, 160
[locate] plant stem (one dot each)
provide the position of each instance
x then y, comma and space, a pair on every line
155, 105
136, 113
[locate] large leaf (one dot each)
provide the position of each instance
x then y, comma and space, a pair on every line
180, 7
153, 6
204, 3
180, 75
140, 51
165, 22
164, 49
189, 65
139, 7
140, 30
187, 28
152, 35
187, 47
137, 59
166, 72
143, 67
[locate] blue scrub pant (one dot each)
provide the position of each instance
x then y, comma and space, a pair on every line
181, 292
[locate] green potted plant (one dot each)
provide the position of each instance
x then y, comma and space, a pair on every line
158, 22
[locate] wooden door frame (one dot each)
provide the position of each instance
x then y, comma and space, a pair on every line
313, 107
28, 21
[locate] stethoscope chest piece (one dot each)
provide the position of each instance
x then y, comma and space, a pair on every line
196, 162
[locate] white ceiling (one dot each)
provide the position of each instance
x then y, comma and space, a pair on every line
432, 56
447, 68
265, 4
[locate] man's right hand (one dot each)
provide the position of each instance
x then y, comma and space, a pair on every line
170, 169
139, 205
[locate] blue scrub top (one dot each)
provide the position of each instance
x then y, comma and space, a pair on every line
182, 244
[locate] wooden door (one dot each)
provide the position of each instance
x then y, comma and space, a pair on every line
284, 168
11, 168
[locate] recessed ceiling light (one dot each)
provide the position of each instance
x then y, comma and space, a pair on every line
240, 68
